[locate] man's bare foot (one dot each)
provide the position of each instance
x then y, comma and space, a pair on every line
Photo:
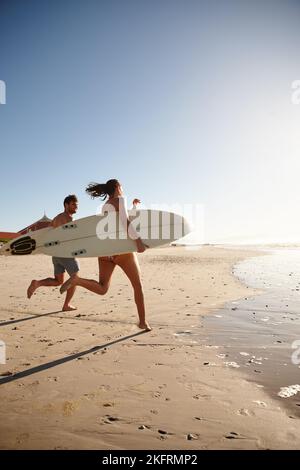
68, 308
144, 326
66, 285
33, 286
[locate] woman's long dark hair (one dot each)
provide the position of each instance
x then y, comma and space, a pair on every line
102, 190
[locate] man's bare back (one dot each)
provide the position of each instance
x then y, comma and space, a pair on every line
61, 219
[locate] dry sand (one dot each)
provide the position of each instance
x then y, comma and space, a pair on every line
91, 380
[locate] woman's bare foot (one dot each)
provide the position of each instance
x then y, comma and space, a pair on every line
69, 283
68, 308
33, 286
144, 326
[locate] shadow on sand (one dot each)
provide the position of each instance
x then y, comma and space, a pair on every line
72, 357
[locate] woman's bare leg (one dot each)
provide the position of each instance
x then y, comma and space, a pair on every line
106, 269
130, 265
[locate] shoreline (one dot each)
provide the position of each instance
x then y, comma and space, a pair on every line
260, 330
147, 391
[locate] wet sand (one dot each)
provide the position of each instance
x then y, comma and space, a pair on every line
261, 334
90, 379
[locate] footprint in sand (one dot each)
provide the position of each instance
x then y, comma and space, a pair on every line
110, 419
198, 397
192, 437
6, 374
22, 437
233, 435
52, 379
144, 426
69, 408
162, 432
260, 403
245, 412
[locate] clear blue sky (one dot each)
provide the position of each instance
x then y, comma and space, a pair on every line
182, 101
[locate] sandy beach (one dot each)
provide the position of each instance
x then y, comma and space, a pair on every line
90, 379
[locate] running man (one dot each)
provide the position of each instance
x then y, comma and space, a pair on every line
61, 264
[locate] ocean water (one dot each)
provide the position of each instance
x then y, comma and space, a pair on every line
260, 335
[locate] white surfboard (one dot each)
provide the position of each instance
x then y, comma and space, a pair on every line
101, 235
